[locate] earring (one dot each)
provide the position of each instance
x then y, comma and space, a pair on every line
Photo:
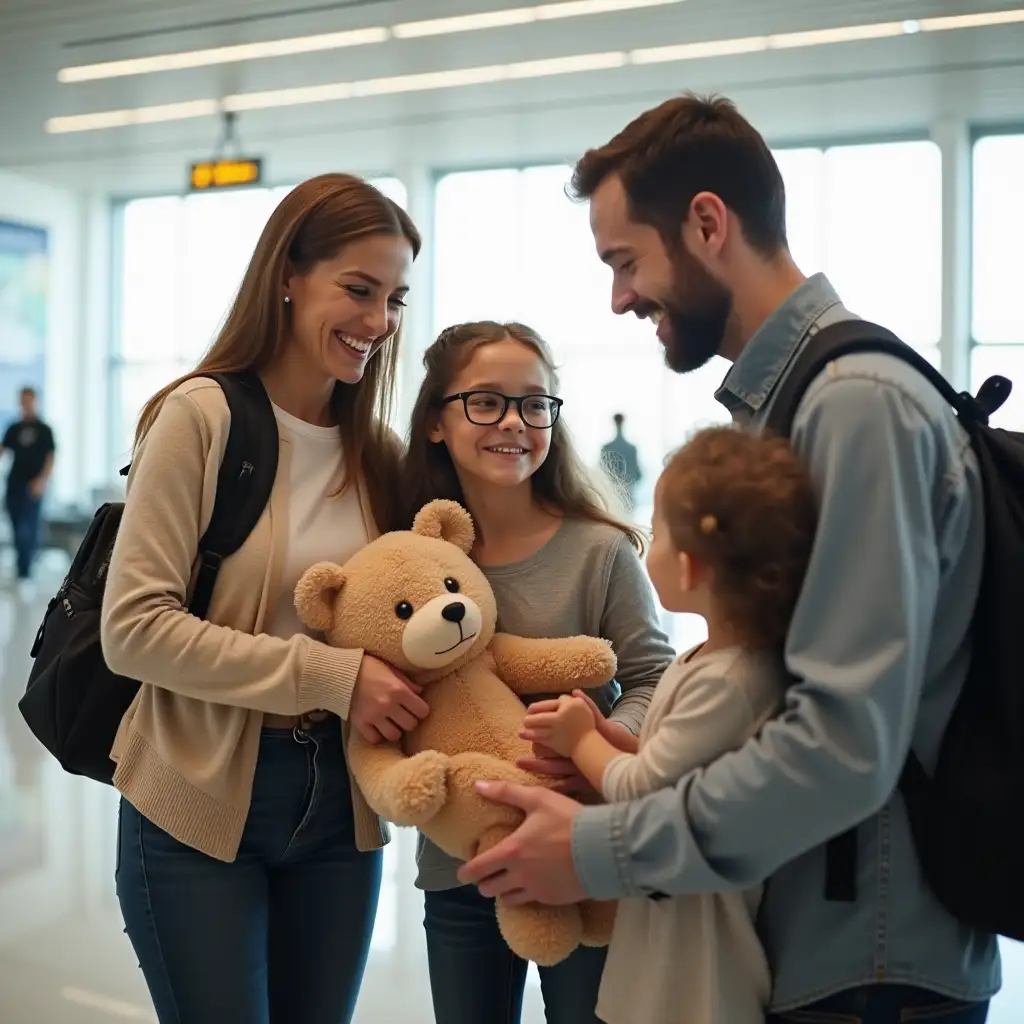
287, 298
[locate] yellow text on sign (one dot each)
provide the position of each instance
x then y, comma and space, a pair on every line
225, 173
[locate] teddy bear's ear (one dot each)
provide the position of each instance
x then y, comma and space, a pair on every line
316, 593
446, 520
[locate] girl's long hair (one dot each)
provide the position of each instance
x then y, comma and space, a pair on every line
314, 222
562, 484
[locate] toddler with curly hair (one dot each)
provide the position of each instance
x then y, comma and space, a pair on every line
734, 521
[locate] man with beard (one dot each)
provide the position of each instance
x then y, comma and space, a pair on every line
687, 207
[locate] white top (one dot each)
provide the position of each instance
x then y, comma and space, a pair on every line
323, 526
691, 958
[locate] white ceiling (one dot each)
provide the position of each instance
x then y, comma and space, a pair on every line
888, 85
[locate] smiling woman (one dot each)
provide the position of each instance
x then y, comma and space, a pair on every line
314, 242
184, 257
344, 309
248, 865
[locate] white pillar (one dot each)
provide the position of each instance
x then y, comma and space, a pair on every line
418, 330
953, 138
98, 409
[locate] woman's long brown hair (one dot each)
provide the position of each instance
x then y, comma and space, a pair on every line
313, 223
562, 484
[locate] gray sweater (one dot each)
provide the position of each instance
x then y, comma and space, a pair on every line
587, 580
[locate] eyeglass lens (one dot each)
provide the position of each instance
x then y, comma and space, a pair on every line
486, 408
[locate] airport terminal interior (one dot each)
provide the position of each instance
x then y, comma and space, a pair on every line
144, 144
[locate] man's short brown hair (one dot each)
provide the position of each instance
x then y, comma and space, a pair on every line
685, 146
743, 506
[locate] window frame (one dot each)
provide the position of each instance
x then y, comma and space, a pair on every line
976, 133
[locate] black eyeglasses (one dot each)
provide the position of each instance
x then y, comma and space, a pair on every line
487, 408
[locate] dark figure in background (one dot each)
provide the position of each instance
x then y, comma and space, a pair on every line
30, 441
620, 460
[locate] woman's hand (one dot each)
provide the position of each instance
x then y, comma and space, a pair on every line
385, 703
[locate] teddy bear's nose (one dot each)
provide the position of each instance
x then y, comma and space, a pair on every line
454, 612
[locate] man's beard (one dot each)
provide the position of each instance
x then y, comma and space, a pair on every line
697, 315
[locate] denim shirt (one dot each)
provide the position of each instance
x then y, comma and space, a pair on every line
878, 649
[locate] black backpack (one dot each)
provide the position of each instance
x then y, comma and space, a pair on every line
74, 703
964, 820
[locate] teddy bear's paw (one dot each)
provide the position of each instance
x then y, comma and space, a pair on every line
545, 935
598, 921
422, 788
605, 659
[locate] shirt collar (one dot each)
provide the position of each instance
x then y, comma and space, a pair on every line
755, 374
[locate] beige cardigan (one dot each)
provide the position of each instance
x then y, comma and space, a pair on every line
186, 749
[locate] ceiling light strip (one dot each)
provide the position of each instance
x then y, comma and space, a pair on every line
490, 73
519, 16
981, 20
223, 55
354, 37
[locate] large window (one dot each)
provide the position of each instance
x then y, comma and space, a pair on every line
870, 217
182, 259
997, 315
510, 245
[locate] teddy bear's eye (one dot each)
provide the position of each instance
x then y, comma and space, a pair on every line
403, 610
452, 585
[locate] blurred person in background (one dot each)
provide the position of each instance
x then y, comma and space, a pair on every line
620, 461
30, 442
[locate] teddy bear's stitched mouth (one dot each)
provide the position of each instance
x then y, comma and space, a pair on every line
464, 640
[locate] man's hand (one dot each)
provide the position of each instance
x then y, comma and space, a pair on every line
385, 703
534, 864
37, 487
562, 728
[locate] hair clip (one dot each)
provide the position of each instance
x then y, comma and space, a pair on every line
708, 524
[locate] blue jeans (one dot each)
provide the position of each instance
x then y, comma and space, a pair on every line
476, 979
885, 1004
281, 934
23, 511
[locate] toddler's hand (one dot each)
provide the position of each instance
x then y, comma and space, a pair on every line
562, 728
617, 734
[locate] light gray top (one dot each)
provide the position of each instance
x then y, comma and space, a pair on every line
700, 951
586, 581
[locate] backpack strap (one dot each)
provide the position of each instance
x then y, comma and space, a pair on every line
845, 338
244, 481
840, 339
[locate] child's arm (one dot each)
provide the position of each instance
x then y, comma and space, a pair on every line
617, 733
710, 716
571, 729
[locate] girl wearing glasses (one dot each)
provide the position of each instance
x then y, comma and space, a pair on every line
486, 432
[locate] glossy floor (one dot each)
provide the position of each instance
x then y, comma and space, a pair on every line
63, 956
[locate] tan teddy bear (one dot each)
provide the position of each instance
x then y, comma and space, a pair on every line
416, 600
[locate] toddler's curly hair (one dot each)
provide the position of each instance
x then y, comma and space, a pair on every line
744, 506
